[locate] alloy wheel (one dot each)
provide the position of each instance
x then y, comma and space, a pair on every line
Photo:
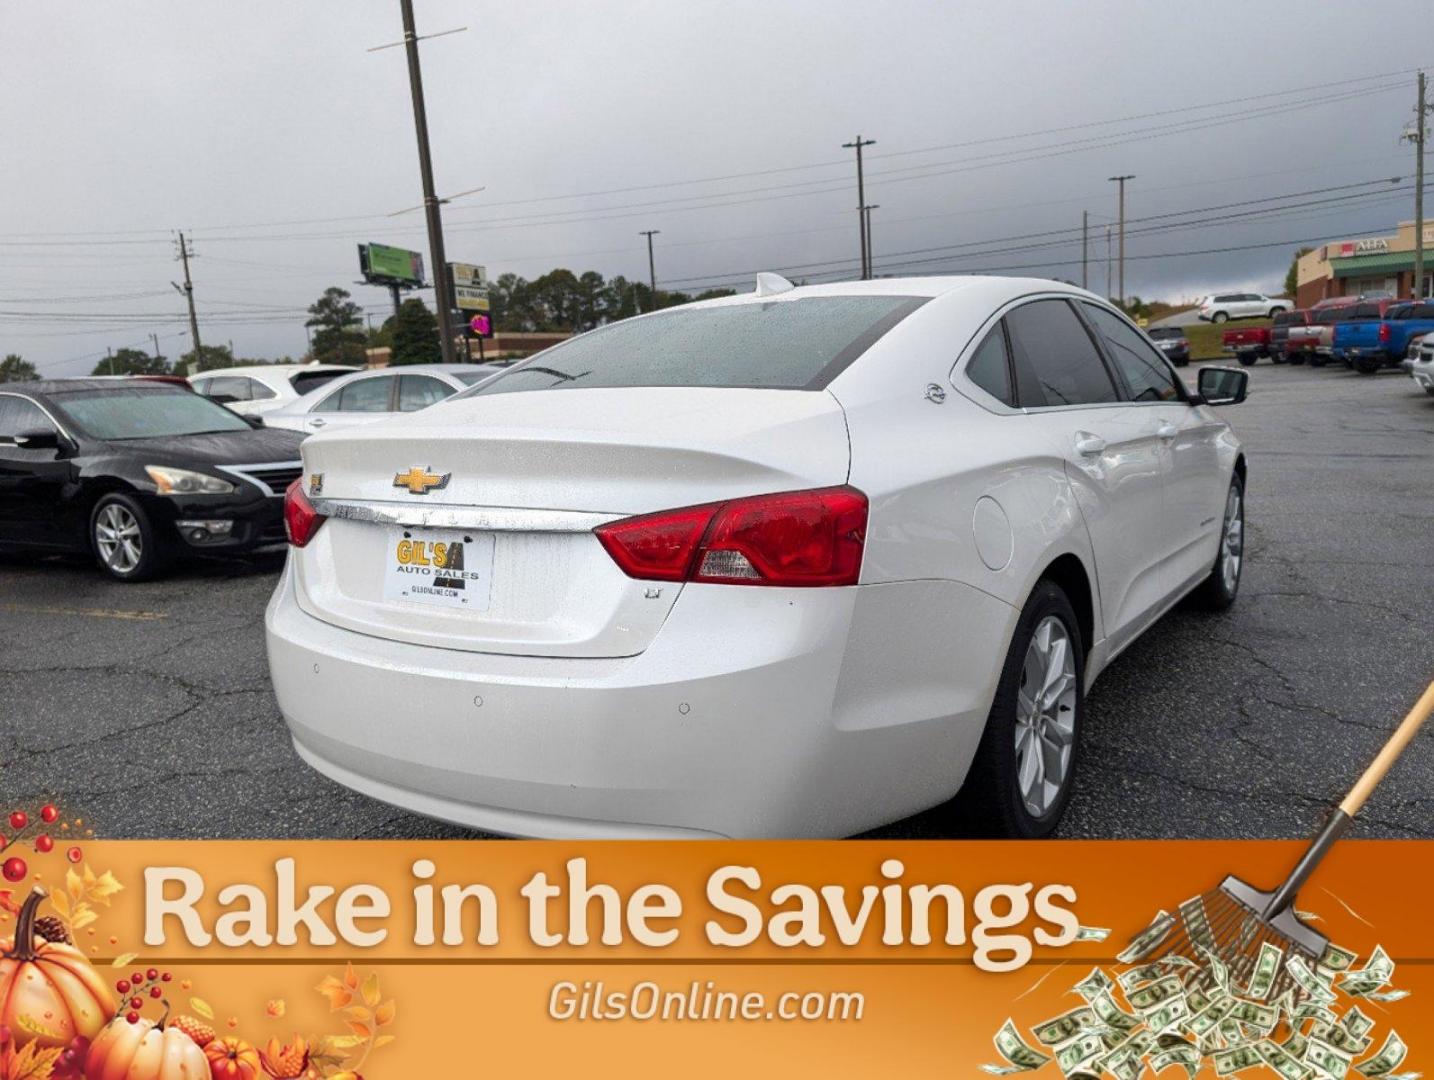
1045, 716
118, 539
1232, 540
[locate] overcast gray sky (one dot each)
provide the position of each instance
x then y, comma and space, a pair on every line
269, 131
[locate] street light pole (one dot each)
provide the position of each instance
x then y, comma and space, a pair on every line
441, 289
651, 265
1121, 181
858, 143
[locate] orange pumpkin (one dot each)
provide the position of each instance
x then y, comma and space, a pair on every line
49, 994
144, 1051
232, 1059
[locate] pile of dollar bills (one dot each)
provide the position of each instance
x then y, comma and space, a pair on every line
1301, 1020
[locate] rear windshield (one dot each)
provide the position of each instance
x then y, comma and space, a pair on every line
135, 413
1159, 332
304, 381
786, 345
1335, 314
1365, 311
1288, 318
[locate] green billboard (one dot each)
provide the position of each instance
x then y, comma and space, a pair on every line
384, 265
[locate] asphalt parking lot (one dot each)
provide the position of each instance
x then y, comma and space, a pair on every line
146, 708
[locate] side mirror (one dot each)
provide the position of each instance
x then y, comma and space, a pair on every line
38, 439
258, 421
1223, 386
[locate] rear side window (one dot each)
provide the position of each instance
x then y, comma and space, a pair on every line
227, 388
1285, 318
1145, 370
1055, 360
420, 391
1424, 311
1365, 311
304, 381
990, 367
366, 395
785, 345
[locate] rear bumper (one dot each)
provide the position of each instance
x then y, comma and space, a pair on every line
754, 712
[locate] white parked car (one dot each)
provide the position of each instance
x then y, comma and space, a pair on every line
793, 563
362, 397
1241, 306
1421, 366
261, 388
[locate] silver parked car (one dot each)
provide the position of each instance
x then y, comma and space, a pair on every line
377, 394
1421, 368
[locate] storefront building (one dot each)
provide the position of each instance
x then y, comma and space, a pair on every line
1371, 264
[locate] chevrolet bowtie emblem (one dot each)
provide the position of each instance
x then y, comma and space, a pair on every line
421, 481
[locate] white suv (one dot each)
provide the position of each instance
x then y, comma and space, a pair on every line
256, 389
1241, 306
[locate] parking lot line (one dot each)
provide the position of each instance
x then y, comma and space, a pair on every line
89, 613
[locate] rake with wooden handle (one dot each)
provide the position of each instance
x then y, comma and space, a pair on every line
1233, 921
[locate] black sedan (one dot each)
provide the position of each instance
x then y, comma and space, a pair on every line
1171, 341
137, 473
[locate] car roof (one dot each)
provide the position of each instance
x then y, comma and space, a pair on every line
271, 369
63, 386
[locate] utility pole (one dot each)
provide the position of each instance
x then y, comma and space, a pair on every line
157, 358
1121, 199
866, 237
857, 144
441, 290
1418, 137
188, 291
1107, 262
651, 265
1084, 242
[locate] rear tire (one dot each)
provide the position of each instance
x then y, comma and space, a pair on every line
124, 540
1317, 360
1366, 365
1248, 359
1219, 316
1218, 591
1296, 359
1034, 726
1275, 311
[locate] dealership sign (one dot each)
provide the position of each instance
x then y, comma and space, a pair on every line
470, 288
1363, 247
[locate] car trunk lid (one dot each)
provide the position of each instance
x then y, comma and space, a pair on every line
519, 481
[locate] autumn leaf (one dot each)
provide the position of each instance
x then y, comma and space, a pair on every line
384, 1014
363, 1031
74, 885
339, 1042
202, 1007
103, 888
84, 915
61, 903
7, 902
338, 994
371, 994
32, 1062
123, 960
276, 1008
383, 1040
351, 979
359, 1013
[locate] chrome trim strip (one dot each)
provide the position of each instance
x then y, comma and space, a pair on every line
486, 518
241, 471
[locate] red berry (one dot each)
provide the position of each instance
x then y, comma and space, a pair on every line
122, 986
155, 991
49, 813
132, 1017
74, 854
44, 844
152, 974
19, 819
166, 977
137, 978
14, 869
136, 1003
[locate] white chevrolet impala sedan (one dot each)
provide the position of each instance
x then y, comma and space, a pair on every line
793, 563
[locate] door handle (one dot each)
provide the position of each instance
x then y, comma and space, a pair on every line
316, 423
1088, 444
1167, 431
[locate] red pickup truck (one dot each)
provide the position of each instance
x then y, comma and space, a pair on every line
1247, 344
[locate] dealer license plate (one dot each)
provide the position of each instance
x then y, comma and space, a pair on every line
445, 567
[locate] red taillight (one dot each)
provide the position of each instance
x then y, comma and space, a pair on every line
803, 538
301, 520
1384, 331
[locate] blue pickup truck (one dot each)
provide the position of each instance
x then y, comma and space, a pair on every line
1378, 332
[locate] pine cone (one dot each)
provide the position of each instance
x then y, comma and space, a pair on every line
52, 929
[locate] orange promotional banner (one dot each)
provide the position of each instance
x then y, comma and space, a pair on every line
405, 959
